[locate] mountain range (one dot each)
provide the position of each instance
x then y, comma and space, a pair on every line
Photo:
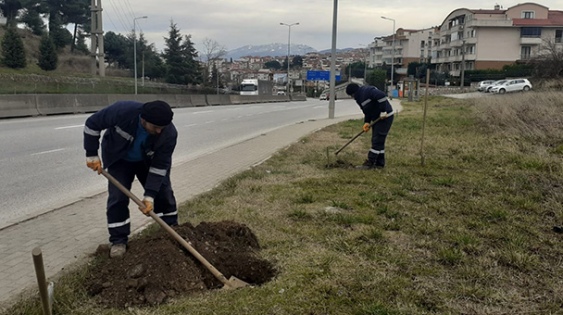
274, 50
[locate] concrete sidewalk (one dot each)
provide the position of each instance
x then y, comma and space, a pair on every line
68, 235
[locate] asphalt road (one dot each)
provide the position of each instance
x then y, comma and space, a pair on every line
43, 162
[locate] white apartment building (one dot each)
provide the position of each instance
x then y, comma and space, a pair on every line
478, 39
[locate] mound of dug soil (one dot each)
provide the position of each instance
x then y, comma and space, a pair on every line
157, 268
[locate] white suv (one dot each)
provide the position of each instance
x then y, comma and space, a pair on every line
513, 85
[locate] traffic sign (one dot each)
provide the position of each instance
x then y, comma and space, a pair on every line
320, 75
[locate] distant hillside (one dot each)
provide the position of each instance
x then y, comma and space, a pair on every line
274, 50
327, 51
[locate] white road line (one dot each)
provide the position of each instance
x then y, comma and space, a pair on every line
67, 127
203, 112
190, 125
45, 152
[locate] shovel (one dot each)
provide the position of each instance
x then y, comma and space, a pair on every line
356, 136
231, 283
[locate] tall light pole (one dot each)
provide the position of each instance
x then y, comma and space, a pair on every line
135, 47
288, 49
392, 49
365, 60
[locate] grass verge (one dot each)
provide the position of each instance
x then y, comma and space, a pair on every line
468, 232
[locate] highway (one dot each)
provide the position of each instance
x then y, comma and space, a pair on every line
43, 161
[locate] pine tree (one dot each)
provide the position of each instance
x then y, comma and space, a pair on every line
13, 52
48, 59
182, 68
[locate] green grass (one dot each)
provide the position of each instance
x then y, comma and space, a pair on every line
468, 232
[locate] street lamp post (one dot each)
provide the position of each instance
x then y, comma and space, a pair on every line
135, 47
392, 49
288, 49
365, 55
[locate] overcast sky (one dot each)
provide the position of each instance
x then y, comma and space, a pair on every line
236, 23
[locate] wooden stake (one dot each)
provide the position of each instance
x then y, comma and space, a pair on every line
41, 280
424, 117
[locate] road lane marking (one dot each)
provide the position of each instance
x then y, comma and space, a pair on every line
45, 152
67, 127
203, 112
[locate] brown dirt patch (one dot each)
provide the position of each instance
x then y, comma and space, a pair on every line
157, 267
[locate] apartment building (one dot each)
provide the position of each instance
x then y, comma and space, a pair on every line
474, 39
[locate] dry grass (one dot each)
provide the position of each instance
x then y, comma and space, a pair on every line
467, 233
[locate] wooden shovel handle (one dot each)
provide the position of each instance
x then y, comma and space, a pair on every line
356, 136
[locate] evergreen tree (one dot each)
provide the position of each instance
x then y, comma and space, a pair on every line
32, 19
180, 57
13, 52
10, 10
81, 43
48, 59
58, 33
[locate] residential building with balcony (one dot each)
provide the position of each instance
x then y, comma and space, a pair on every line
470, 39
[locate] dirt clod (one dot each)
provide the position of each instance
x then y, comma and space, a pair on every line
157, 268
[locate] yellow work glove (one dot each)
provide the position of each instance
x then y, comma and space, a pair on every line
366, 127
149, 205
94, 163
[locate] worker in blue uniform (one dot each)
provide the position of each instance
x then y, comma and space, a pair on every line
374, 104
139, 140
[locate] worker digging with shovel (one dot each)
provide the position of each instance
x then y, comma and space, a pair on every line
138, 142
378, 116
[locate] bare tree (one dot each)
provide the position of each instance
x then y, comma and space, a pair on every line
213, 51
548, 64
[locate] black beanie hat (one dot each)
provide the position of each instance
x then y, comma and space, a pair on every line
157, 113
352, 88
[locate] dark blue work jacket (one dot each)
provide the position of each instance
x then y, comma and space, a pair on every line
373, 102
121, 120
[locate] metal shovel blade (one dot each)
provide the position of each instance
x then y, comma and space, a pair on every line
234, 283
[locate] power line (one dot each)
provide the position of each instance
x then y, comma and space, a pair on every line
118, 14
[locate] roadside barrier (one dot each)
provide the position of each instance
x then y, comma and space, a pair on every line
25, 105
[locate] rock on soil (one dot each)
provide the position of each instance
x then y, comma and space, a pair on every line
157, 267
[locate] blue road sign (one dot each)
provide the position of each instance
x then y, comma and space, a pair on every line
320, 75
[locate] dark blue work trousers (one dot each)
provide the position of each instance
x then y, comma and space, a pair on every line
379, 132
119, 223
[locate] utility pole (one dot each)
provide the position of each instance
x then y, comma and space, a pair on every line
462, 72
331, 108
462, 64
98, 65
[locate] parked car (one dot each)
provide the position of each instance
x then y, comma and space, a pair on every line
490, 86
514, 85
326, 97
483, 85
